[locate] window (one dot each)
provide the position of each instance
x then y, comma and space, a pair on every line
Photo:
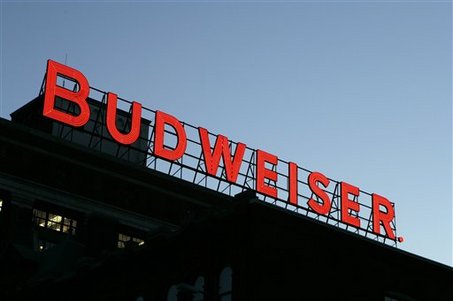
172, 294
198, 294
226, 284
1, 204
54, 221
187, 291
123, 239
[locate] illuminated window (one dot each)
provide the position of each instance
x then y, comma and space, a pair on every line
54, 221
1, 204
123, 238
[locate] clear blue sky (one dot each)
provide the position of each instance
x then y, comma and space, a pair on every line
361, 91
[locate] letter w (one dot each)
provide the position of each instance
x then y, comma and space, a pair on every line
221, 149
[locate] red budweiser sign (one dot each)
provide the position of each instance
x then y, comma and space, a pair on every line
231, 163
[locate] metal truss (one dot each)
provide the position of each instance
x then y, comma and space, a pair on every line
191, 167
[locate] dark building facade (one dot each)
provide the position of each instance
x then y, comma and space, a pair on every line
85, 220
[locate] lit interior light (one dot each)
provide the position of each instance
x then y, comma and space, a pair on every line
55, 218
54, 221
123, 238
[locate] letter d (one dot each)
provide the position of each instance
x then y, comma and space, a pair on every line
160, 150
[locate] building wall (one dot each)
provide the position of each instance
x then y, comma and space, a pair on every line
65, 207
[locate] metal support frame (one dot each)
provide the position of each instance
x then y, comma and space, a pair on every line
191, 167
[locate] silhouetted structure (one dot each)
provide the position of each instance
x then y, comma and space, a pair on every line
87, 223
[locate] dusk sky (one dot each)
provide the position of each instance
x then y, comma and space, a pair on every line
358, 90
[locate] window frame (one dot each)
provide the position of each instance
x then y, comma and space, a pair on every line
54, 221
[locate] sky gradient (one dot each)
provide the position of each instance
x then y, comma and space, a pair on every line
360, 91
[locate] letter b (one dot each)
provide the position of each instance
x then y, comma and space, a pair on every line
53, 90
